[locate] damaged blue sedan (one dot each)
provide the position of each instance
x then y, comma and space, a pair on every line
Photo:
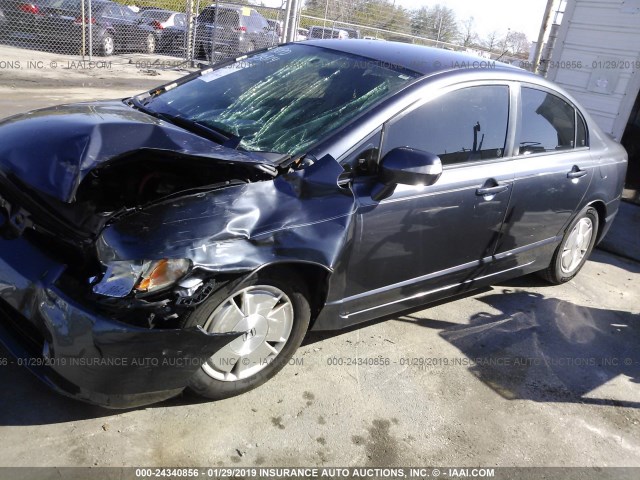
189, 237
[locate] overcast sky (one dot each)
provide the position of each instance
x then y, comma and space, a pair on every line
489, 15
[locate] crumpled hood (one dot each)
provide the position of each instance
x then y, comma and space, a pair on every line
53, 149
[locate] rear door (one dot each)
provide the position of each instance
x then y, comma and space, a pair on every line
134, 35
428, 239
553, 169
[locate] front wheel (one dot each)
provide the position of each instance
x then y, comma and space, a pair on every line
107, 45
575, 248
273, 313
150, 44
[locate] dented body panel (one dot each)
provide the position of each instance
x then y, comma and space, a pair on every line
74, 139
108, 187
81, 353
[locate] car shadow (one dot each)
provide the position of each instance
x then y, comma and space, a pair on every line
536, 348
25, 400
549, 350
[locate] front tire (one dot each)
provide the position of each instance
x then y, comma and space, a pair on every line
107, 45
150, 44
576, 246
273, 311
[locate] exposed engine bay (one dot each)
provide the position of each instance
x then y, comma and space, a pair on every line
143, 177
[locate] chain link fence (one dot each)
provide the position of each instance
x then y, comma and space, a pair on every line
154, 33
169, 34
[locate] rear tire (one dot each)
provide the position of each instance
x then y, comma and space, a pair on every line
150, 44
273, 309
107, 46
250, 47
576, 246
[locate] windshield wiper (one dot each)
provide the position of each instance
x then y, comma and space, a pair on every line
212, 133
216, 134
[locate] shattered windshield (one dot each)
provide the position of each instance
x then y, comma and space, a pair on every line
283, 100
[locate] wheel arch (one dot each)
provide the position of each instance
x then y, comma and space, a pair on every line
601, 209
315, 275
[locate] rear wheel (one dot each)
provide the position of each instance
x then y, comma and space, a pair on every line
575, 248
107, 45
273, 312
249, 47
150, 44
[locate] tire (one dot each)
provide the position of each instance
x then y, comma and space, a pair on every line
576, 246
150, 44
252, 359
107, 45
250, 47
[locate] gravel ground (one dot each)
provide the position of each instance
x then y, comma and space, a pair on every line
520, 374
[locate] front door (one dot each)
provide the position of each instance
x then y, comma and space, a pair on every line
425, 239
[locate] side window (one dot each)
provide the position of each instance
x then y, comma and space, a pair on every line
113, 11
228, 18
547, 123
581, 132
129, 14
466, 125
206, 16
256, 21
363, 158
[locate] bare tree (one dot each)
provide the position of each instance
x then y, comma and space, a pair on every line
491, 40
438, 23
469, 37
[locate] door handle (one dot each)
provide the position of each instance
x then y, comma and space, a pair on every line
576, 173
491, 190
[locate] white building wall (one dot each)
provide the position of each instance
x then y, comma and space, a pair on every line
597, 58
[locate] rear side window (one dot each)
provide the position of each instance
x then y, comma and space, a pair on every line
581, 132
229, 18
548, 123
257, 21
466, 125
180, 20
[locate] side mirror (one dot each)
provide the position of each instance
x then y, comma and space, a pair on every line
407, 166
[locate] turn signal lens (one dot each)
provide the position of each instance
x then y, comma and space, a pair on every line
162, 273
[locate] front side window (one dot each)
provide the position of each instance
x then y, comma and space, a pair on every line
547, 123
284, 100
465, 125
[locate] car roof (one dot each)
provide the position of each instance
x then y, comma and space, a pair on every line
230, 6
420, 59
151, 10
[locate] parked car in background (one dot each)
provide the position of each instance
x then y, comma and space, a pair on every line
352, 32
302, 34
21, 19
206, 225
114, 27
317, 32
230, 30
169, 27
3, 24
276, 26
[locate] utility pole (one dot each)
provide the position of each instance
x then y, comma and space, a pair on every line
543, 30
439, 29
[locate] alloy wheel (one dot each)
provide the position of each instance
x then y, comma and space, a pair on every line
576, 246
265, 314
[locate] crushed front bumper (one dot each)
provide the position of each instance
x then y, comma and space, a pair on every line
83, 354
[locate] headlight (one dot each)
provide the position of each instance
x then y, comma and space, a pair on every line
142, 276
162, 273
